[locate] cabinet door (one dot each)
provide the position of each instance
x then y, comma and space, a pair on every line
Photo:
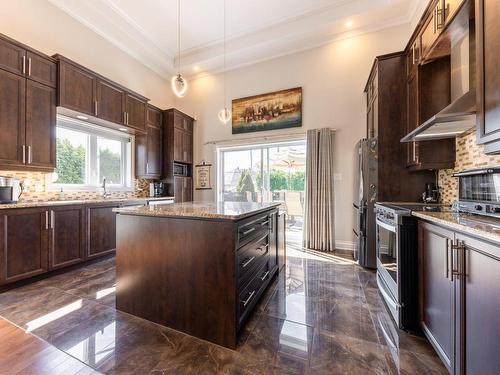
433, 28
67, 236
136, 112
187, 147
77, 89
488, 75
183, 122
437, 314
41, 69
153, 116
179, 145
153, 166
178, 189
12, 57
23, 244
12, 118
480, 306
187, 191
110, 102
101, 230
40, 125
450, 8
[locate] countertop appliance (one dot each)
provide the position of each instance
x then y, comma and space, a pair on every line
158, 189
365, 196
431, 193
479, 191
397, 259
10, 189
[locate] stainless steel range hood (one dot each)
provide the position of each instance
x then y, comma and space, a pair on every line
459, 116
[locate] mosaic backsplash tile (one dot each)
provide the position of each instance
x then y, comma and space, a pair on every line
36, 189
469, 156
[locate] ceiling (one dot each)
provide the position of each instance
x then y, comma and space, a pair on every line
257, 30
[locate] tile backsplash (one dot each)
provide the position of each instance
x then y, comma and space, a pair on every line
36, 189
469, 156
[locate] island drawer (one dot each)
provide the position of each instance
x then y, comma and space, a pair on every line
250, 295
251, 228
250, 257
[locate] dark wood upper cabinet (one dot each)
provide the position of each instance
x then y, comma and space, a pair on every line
41, 69
12, 118
23, 244
40, 126
450, 9
101, 230
135, 109
77, 88
437, 307
433, 27
12, 57
148, 146
110, 102
488, 75
66, 236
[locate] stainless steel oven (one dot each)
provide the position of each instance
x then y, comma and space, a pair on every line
479, 191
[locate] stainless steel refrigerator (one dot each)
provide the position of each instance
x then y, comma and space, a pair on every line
365, 196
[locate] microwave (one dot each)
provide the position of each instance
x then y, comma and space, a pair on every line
479, 191
180, 169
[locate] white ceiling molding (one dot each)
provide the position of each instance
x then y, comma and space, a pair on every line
306, 26
105, 18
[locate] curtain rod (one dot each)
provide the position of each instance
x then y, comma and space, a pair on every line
265, 138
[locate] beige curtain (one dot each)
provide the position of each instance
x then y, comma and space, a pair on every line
319, 199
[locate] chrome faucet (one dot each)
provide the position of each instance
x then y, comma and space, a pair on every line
105, 193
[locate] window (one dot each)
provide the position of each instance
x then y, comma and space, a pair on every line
86, 154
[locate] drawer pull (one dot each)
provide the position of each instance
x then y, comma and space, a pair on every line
247, 261
265, 223
263, 248
265, 276
245, 302
248, 231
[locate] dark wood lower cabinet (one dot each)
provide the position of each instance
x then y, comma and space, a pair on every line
459, 299
66, 236
23, 244
101, 230
437, 312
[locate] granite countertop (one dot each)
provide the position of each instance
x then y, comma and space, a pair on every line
53, 203
479, 226
201, 210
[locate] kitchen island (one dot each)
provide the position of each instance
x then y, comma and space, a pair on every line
199, 268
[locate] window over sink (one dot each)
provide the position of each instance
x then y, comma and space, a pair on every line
88, 153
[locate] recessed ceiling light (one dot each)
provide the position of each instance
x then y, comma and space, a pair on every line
82, 117
123, 129
196, 68
349, 24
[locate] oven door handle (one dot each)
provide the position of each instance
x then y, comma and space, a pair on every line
388, 298
386, 226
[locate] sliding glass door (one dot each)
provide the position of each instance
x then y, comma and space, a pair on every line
264, 173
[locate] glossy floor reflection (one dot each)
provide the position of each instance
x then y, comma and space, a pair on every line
323, 315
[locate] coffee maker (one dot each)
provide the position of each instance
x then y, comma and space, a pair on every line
157, 189
10, 189
431, 193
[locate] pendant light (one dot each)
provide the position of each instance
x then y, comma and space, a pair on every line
179, 83
225, 113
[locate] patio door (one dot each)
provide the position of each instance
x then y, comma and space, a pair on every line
264, 173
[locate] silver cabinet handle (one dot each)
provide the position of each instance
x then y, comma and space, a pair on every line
245, 302
46, 220
247, 262
24, 64
95, 107
248, 231
30, 157
147, 168
29, 66
126, 114
24, 154
265, 223
446, 268
265, 276
124, 118
52, 219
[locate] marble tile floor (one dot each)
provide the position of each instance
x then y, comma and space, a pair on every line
323, 315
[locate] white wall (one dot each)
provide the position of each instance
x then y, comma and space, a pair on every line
44, 27
333, 79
